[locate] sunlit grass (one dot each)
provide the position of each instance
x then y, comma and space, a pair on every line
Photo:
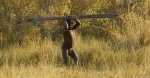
48, 71
97, 59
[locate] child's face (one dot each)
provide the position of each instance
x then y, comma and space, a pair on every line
70, 23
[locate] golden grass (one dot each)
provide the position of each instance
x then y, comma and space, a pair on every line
48, 71
97, 60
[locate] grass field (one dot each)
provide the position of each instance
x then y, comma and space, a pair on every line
97, 60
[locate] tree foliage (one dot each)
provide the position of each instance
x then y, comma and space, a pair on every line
12, 10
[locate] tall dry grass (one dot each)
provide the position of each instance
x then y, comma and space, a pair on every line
97, 59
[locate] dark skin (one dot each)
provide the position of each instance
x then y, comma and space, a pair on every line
69, 37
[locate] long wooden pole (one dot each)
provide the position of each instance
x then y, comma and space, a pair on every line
70, 17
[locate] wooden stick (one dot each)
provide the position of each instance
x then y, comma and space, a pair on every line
70, 17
